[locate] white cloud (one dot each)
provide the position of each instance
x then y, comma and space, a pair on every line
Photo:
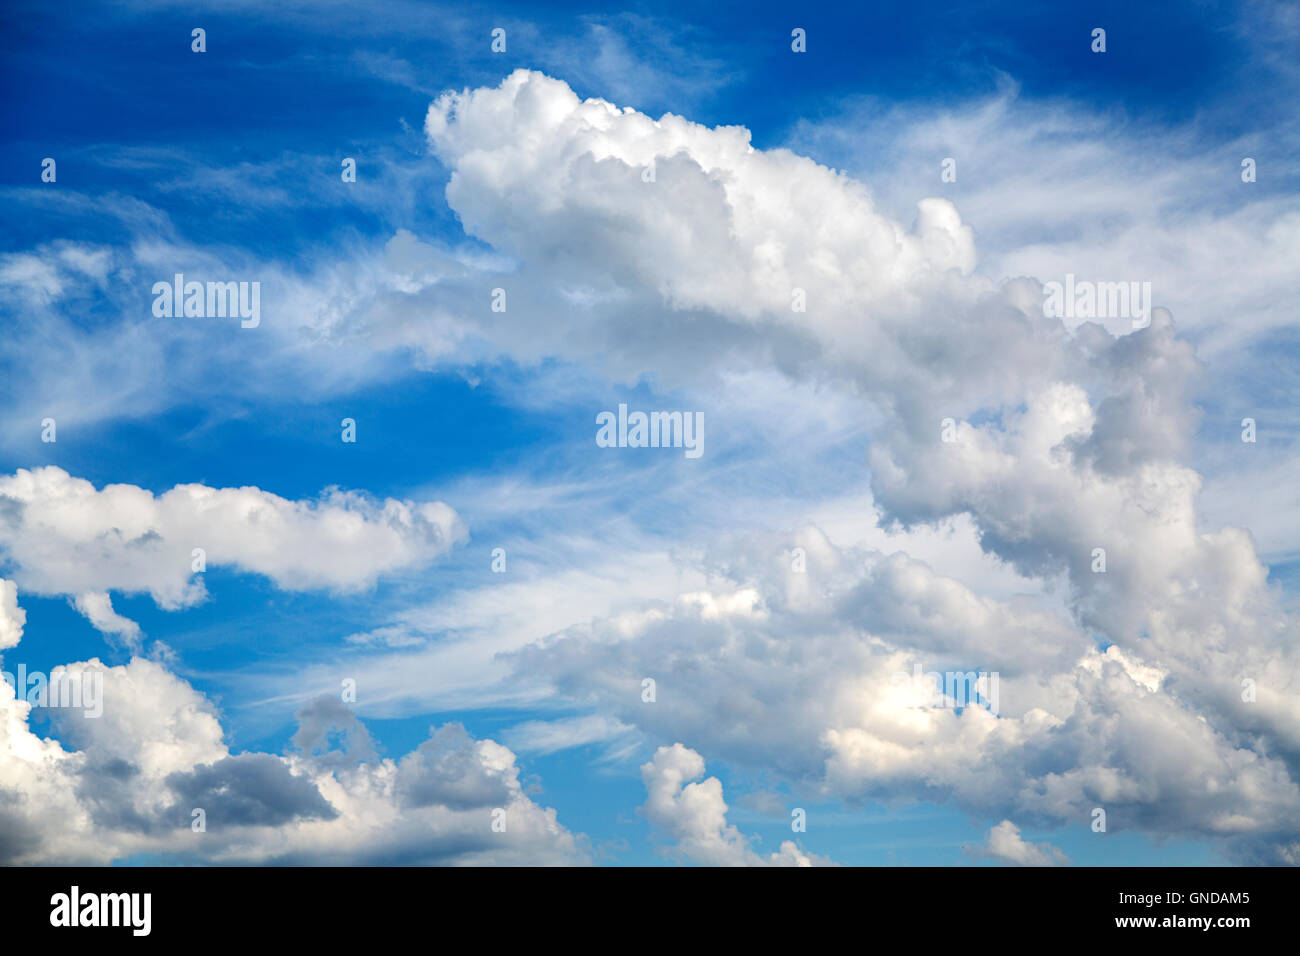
799, 674
127, 782
724, 234
12, 616
693, 812
64, 536
448, 653
1067, 440
97, 607
1005, 845
549, 736
1057, 187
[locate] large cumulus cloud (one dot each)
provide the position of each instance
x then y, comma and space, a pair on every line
810, 674
1065, 443
1126, 694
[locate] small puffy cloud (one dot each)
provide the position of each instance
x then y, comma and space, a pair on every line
454, 770
97, 607
1005, 845
693, 812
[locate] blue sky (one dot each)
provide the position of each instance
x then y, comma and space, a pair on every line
226, 164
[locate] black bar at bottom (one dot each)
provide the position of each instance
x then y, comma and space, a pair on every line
333, 905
